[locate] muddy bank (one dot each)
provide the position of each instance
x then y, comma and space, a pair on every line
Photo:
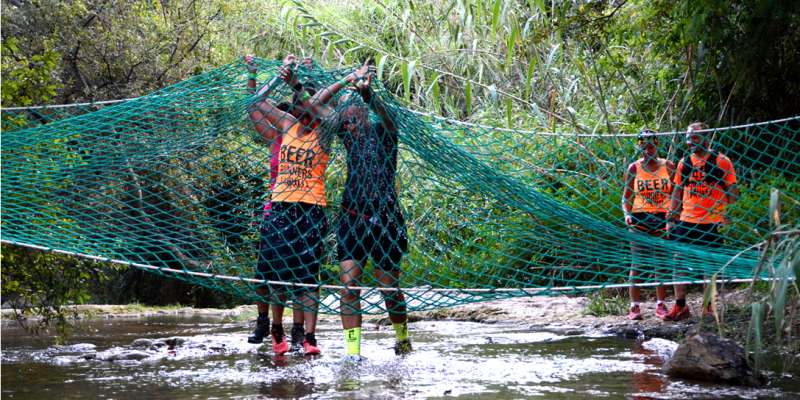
546, 312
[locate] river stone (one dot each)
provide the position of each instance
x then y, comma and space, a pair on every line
176, 341
142, 343
706, 357
125, 355
661, 346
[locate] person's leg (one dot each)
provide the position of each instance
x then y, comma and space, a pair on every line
310, 303
682, 233
298, 326
277, 298
637, 252
393, 244
312, 229
395, 301
351, 271
711, 238
264, 272
350, 247
284, 231
262, 322
660, 259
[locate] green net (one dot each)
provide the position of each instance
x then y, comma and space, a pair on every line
176, 183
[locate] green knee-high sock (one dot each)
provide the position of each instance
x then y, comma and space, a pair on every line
401, 330
352, 337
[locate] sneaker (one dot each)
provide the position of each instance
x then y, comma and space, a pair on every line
661, 310
279, 345
310, 345
709, 310
402, 347
354, 358
298, 334
677, 313
262, 329
635, 313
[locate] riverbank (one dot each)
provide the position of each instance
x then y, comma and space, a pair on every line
563, 313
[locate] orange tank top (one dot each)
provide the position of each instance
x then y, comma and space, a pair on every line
301, 169
651, 190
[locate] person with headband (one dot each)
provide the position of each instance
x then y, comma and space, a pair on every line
648, 185
705, 186
372, 223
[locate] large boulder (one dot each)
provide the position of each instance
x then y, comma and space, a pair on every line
706, 357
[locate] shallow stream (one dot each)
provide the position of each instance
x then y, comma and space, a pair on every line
450, 360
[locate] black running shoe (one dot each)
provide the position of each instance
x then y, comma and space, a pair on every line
402, 347
298, 335
262, 329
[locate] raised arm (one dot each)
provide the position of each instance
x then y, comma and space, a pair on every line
319, 100
364, 88
269, 120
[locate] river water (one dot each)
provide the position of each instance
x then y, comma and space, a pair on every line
450, 360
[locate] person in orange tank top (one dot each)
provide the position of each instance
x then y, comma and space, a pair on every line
298, 223
705, 187
270, 136
648, 184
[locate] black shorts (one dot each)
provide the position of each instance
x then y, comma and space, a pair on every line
292, 244
700, 234
384, 239
647, 222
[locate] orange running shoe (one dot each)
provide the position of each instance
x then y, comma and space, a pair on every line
709, 310
279, 345
635, 313
310, 350
661, 310
677, 313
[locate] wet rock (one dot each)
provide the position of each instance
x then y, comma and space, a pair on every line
72, 348
626, 331
124, 355
143, 343
706, 357
661, 346
573, 332
176, 341
83, 347
635, 330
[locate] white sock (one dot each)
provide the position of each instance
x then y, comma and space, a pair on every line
659, 302
634, 304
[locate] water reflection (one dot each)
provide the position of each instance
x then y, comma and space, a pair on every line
650, 381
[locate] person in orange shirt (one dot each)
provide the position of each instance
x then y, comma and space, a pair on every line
270, 136
649, 185
298, 222
705, 186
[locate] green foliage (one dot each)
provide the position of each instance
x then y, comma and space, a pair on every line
28, 81
108, 51
781, 301
46, 286
603, 304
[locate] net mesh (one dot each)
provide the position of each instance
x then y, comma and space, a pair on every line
176, 183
